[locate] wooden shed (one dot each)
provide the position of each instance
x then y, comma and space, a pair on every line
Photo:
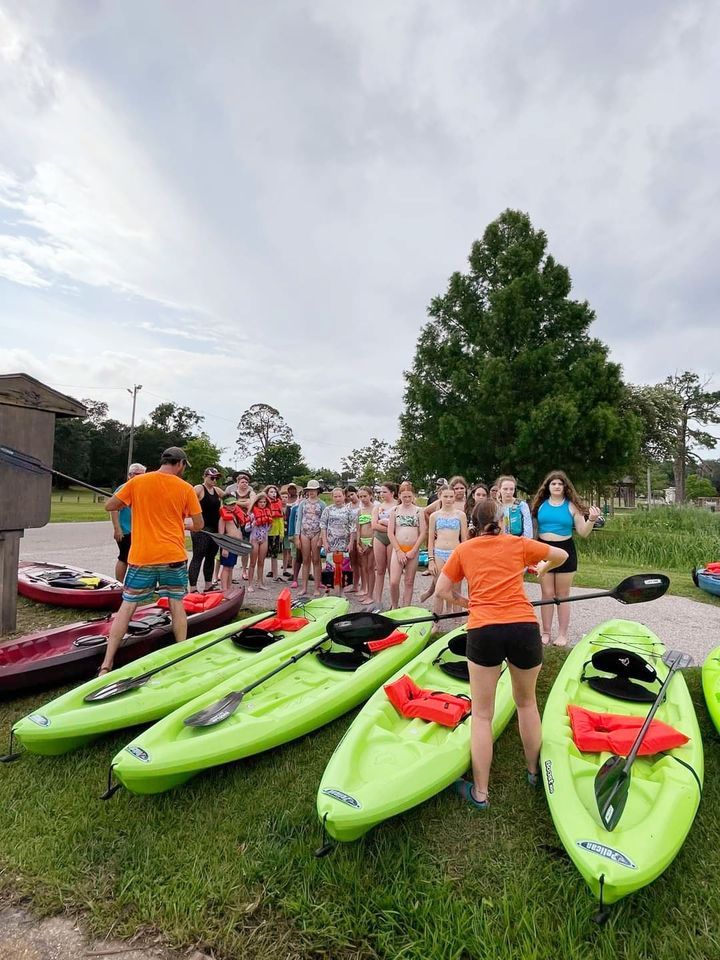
28, 410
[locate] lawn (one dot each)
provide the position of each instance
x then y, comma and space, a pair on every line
76, 504
225, 863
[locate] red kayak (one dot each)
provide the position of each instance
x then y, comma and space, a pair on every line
64, 586
75, 651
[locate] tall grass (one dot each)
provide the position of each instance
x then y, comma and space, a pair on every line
666, 537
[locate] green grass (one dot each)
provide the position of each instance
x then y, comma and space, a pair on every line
76, 504
225, 863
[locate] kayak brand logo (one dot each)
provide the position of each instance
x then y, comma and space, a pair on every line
342, 797
652, 583
549, 776
608, 852
39, 719
139, 753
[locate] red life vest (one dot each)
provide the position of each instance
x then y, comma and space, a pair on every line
713, 567
276, 507
392, 640
412, 701
195, 602
616, 733
234, 514
262, 516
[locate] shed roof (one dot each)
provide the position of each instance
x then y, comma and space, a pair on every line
22, 390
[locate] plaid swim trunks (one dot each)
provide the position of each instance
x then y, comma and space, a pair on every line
167, 579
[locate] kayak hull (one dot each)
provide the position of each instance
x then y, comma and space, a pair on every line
664, 788
708, 582
108, 596
300, 699
69, 721
711, 685
386, 763
75, 651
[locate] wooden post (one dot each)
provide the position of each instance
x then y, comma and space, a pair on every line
9, 553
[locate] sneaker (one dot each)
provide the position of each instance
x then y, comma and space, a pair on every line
464, 789
287, 575
533, 779
279, 579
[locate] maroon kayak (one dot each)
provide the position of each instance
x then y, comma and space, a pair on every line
75, 651
64, 586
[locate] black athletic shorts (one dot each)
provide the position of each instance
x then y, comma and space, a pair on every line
124, 548
518, 643
570, 565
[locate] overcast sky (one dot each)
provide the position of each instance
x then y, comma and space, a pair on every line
239, 202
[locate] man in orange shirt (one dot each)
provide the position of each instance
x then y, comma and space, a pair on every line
164, 506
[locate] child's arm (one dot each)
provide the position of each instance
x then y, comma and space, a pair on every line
463, 526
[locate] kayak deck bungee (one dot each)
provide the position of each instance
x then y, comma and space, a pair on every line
70, 721
664, 790
711, 685
387, 764
80, 588
304, 696
75, 651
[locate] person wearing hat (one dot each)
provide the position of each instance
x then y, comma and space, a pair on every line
163, 506
440, 482
244, 493
122, 523
232, 521
204, 547
307, 534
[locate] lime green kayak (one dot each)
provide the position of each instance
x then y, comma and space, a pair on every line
664, 788
711, 685
303, 697
386, 764
70, 721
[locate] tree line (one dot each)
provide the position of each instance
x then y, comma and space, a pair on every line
506, 378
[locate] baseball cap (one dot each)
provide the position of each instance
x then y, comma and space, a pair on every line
211, 472
312, 485
230, 499
174, 453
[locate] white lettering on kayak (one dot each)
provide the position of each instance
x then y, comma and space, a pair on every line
549, 776
608, 852
342, 797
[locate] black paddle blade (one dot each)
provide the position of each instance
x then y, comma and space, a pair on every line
641, 587
215, 713
231, 544
115, 689
612, 785
694, 575
253, 638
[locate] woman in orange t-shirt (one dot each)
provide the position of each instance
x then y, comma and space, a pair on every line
501, 626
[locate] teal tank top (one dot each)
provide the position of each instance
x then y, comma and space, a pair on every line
557, 520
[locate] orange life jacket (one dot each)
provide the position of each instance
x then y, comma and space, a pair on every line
616, 733
412, 701
195, 602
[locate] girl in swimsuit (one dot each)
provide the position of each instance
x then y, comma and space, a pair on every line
364, 541
448, 528
559, 512
477, 493
307, 525
260, 521
337, 529
381, 542
406, 531
277, 529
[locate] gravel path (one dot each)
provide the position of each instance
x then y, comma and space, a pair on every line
680, 623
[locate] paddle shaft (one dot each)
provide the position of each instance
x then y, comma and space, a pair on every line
25, 462
231, 701
433, 618
630, 759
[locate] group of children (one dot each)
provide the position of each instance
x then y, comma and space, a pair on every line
369, 535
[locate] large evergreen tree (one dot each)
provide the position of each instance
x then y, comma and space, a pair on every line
506, 376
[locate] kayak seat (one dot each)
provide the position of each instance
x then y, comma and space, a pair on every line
457, 669
254, 639
620, 688
626, 667
136, 627
342, 660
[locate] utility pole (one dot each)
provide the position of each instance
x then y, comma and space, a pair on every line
134, 392
649, 487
